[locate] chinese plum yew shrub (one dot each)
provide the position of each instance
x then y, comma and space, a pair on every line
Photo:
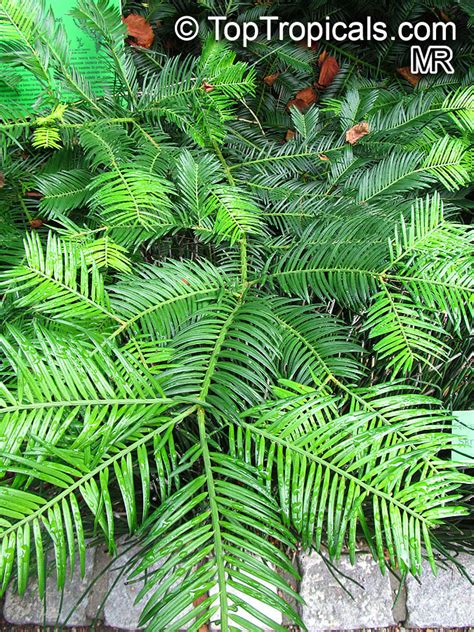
235, 295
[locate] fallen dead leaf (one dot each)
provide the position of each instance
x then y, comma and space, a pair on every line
322, 157
199, 600
298, 103
356, 132
2, 180
322, 58
36, 223
303, 99
207, 87
329, 69
408, 75
140, 30
290, 134
270, 79
308, 95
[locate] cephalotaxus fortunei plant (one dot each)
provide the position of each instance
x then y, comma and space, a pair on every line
224, 344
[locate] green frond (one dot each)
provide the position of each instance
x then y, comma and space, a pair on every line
227, 541
461, 105
418, 108
346, 460
103, 20
230, 79
283, 55
401, 170
449, 161
19, 24
49, 385
128, 196
237, 214
230, 366
431, 257
30, 33
106, 145
306, 124
57, 281
406, 333
180, 89
161, 299
350, 274
46, 138
105, 253
315, 346
77, 417
61, 519
63, 191
195, 180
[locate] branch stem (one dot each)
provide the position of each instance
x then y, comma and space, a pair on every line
216, 527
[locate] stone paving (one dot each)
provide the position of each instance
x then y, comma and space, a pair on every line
360, 597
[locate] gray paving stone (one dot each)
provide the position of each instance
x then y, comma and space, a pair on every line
329, 607
98, 591
30, 609
120, 609
399, 593
444, 600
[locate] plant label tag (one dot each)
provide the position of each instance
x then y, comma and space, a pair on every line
85, 57
463, 429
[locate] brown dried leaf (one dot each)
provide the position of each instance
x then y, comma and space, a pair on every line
322, 157
298, 103
322, 58
36, 223
290, 134
207, 87
304, 98
270, 79
2, 180
329, 69
409, 76
140, 30
356, 132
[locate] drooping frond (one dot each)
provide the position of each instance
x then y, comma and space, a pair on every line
227, 540
73, 416
346, 459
